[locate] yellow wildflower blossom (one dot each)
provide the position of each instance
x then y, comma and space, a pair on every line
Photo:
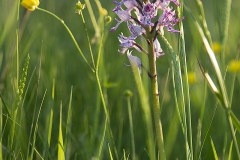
30, 4
234, 66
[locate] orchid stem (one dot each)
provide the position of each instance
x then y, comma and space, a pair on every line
155, 96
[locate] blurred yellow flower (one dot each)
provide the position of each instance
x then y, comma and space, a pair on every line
30, 4
191, 77
216, 47
234, 66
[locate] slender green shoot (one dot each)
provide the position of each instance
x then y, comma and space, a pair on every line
61, 155
131, 127
36, 127
68, 125
70, 33
214, 150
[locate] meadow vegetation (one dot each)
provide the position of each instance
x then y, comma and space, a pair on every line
66, 96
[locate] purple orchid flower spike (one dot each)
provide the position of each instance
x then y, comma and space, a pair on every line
145, 13
167, 19
129, 4
135, 29
161, 4
127, 42
124, 17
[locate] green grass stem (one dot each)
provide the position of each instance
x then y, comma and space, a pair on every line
131, 127
224, 19
204, 22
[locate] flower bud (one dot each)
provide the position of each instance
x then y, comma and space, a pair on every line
191, 77
103, 11
108, 19
30, 4
79, 7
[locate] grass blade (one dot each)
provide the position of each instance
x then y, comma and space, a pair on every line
214, 150
60, 137
68, 125
110, 152
235, 120
131, 127
36, 127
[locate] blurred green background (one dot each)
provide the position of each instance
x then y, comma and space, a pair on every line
53, 56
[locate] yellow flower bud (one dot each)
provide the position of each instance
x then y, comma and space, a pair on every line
191, 77
216, 47
79, 7
234, 66
104, 12
30, 4
108, 19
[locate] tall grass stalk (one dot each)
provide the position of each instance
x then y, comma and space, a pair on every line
225, 12
183, 61
180, 100
204, 22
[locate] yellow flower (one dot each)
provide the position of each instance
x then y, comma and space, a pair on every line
30, 4
191, 77
234, 66
216, 47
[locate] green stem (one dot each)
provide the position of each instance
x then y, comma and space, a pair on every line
70, 33
224, 27
89, 44
131, 127
228, 112
155, 96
